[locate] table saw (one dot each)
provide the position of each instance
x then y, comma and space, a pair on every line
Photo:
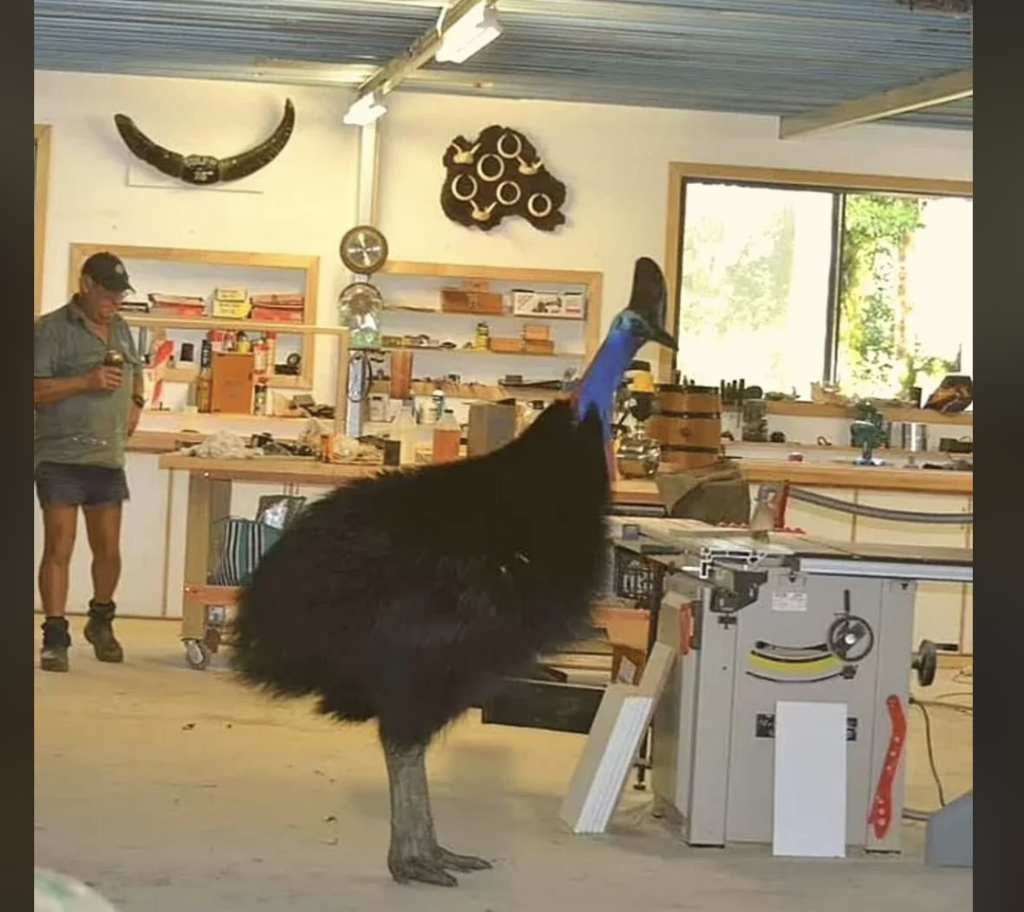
755, 621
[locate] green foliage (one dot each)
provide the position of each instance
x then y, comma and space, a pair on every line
878, 230
749, 290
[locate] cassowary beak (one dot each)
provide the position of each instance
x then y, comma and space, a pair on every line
662, 336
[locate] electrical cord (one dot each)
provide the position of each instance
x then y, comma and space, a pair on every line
930, 747
915, 813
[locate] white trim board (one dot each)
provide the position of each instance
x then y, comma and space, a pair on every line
612, 746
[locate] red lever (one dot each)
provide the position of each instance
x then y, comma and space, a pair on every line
881, 808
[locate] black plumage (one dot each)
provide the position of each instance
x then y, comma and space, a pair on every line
406, 597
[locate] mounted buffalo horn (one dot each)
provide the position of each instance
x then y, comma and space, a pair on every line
204, 170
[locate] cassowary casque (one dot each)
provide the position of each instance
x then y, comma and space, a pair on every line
406, 598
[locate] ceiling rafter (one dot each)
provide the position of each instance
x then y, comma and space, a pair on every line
928, 93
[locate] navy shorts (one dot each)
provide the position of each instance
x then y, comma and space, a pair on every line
64, 485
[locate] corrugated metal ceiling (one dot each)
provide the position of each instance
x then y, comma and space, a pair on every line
744, 56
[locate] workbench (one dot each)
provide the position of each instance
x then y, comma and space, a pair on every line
211, 479
209, 500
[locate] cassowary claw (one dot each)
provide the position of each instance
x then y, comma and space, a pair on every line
434, 869
463, 863
420, 870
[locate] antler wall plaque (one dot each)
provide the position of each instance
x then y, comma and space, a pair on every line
204, 170
497, 175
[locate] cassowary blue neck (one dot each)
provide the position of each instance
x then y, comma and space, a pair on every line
601, 380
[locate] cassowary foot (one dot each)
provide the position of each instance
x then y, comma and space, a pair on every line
420, 869
432, 867
463, 863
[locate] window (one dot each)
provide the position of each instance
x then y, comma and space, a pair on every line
783, 285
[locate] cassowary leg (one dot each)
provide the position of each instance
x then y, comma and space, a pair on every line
414, 854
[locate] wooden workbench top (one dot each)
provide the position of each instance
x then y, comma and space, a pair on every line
276, 470
269, 469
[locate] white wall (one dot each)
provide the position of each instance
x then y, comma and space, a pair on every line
305, 201
613, 159
615, 162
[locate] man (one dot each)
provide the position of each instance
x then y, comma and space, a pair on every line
88, 399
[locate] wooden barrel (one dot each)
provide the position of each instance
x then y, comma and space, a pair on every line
687, 422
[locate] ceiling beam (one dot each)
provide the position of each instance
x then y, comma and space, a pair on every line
390, 76
928, 94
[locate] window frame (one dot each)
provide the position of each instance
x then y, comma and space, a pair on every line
42, 185
680, 173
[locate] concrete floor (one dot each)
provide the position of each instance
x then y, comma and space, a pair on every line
177, 791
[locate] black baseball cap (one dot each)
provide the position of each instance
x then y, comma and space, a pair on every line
107, 271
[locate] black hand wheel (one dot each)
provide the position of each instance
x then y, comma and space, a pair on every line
926, 663
850, 638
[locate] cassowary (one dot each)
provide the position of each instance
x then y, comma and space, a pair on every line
406, 598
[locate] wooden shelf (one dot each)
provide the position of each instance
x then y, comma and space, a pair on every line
185, 375
226, 416
477, 351
492, 273
207, 323
309, 266
482, 391
437, 312
817, 410
591, 282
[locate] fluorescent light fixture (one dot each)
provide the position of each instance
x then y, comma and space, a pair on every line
471, 32
365, 110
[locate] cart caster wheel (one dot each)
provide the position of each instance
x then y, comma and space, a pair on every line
197, 654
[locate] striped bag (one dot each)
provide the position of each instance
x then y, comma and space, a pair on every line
238, 544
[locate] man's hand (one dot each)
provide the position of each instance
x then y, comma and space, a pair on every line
104, 378
133, 419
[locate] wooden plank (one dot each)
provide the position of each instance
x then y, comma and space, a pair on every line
482, 391
490, 273
808, 474
821, 410
299, 471
205, 323
927, 93
612, 746
269, 469
80, 252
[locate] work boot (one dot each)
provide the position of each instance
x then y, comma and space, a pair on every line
99, 632
56, 642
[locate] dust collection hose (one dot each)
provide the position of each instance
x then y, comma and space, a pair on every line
844, 506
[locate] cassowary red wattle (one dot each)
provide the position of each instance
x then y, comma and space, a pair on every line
406, 598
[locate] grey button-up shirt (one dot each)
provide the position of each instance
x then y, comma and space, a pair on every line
88, 428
